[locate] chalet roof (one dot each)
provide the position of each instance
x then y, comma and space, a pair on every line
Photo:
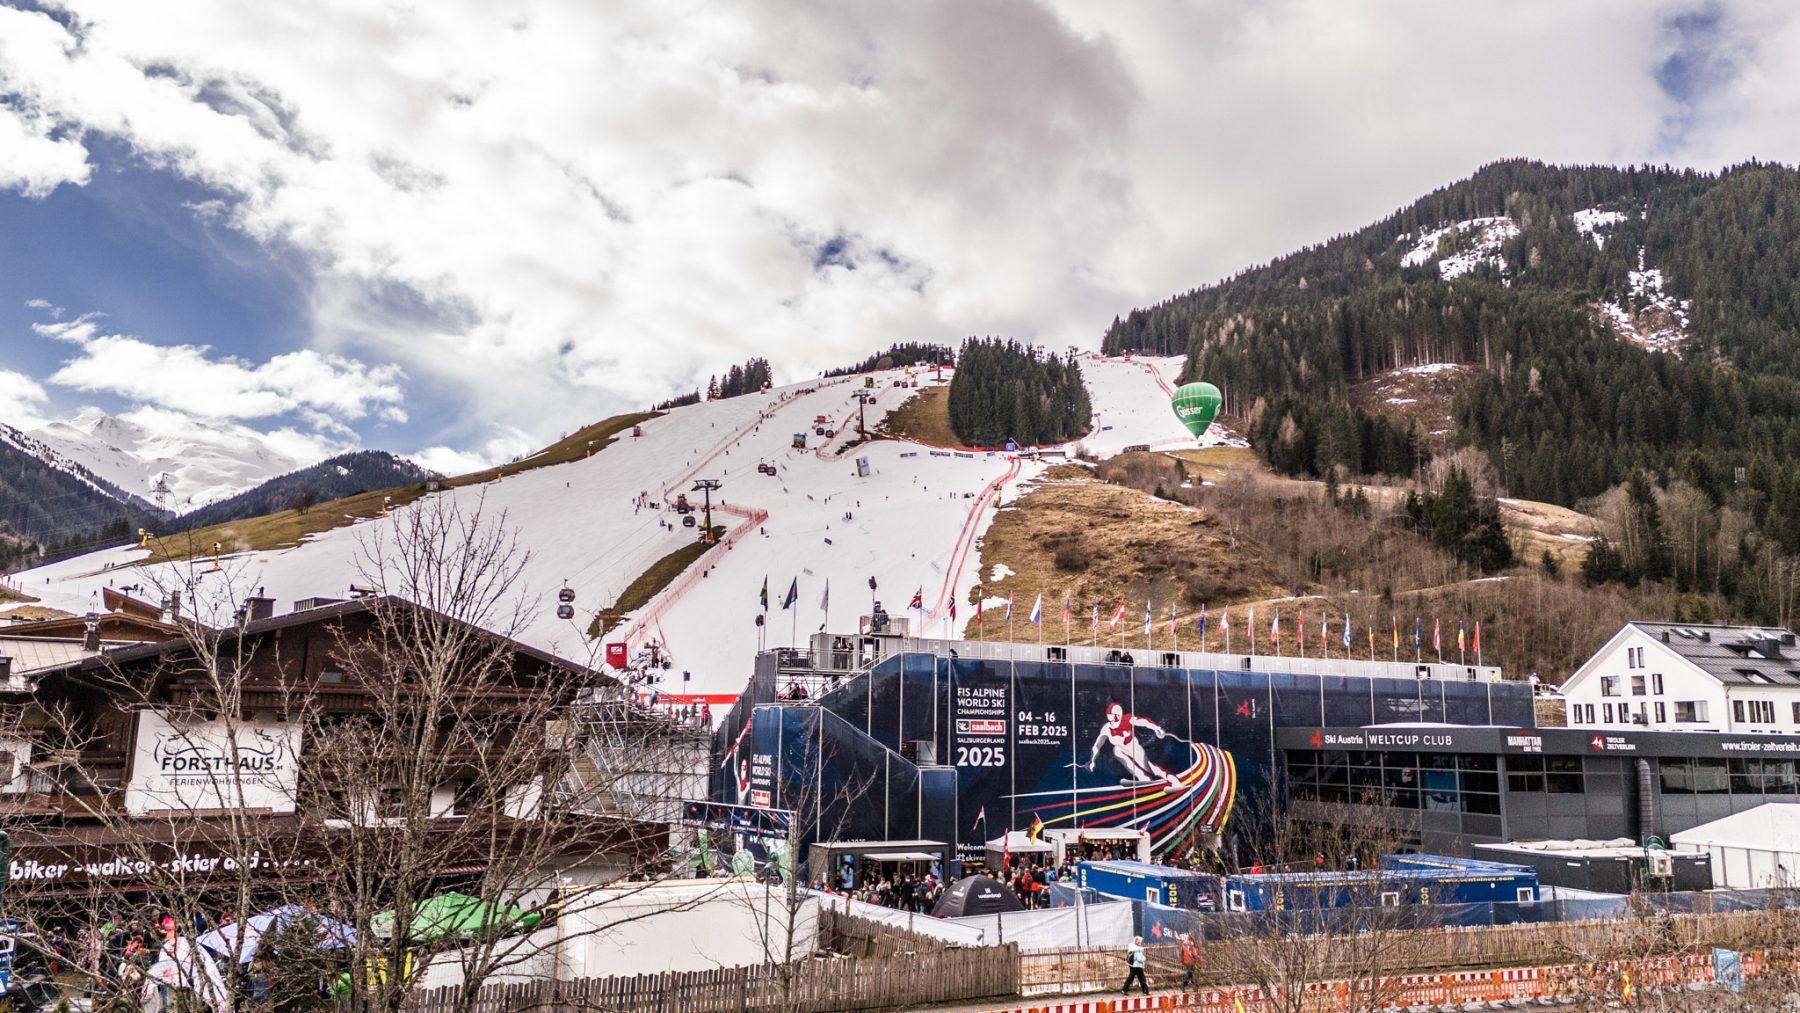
30, 654
1733, 655
320, 614
114, 626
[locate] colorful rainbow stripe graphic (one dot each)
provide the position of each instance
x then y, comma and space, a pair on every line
1208, 789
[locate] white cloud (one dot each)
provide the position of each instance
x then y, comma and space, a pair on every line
509, 444
34, 162
558, 210
22, 400
326, 390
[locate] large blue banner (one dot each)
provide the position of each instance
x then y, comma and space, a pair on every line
1174, 752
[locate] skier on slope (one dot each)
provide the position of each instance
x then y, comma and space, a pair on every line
1121, 731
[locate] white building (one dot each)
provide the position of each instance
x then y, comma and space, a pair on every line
1686, 677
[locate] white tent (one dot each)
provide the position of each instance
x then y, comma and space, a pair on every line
1754, 849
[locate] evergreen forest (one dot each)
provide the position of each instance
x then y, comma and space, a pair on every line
1564, 408
1004, 390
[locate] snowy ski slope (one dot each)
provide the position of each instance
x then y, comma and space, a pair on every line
912, 523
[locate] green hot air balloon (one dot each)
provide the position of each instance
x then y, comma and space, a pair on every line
1196, 404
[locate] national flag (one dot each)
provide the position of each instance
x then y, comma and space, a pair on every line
1201, 625
1476, 647
1300, 628
793, 595
979, 598
1460, 645
1037, 609
1396, 621
1171, 619
918, 601
764, 596
1096, 617
1118, 614
825, 597
1347, 632
1324, 628
1146, 617
1437, 636
1009, 597
1275, 628
980, 818
1417, 634
1037, 828
1067, 611
1371, 635
952, 608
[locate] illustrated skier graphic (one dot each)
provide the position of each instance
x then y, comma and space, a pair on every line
1121, 730
743, 780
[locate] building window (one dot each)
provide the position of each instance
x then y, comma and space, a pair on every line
1737, 710
1563, 775
1637, 685
1524, 773
1656, 683
1607, 710
1662, 716
1609, 685
1763, 711
1690, 711
1797, 712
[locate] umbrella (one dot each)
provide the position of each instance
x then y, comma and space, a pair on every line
457, 915
332, 933
976, 895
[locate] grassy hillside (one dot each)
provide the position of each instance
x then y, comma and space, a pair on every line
1255, 540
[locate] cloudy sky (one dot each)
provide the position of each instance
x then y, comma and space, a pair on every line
458, 229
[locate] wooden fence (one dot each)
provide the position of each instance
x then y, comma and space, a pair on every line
1223, 962
865, 937
814, 986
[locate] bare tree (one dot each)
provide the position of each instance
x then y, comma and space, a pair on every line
1350, 923
345, 783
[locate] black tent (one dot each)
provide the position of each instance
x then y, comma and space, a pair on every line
976, 895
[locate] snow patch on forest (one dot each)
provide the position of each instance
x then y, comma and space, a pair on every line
1474, 242
1590, 221
1650, 317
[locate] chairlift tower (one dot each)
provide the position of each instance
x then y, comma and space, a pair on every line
705, 486
161, 494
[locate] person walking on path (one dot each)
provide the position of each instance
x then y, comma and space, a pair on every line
1190, 954
1134, 959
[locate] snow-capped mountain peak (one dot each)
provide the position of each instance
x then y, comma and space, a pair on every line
196, 462
26, 443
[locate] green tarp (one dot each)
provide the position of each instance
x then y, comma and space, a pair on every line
458, 916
